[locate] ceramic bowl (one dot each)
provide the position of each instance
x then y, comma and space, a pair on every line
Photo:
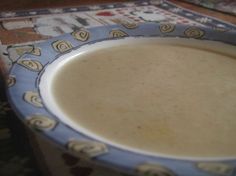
28, 94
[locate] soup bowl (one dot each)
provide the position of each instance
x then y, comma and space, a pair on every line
76, 91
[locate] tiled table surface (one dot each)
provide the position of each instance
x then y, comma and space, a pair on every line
19, 30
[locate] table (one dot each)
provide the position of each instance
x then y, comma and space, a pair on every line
20, 36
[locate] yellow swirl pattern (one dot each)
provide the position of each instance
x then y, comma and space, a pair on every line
167, 28
33, 98
117, 34
153, 170
36, 52
129, 25
41, 123
20, 50
61, 46
216, 168
32, 65
194, 32
88, 149
11, 80
81, 35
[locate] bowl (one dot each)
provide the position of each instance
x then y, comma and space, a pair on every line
76, 91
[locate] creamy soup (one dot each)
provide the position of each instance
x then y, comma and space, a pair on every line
173, 97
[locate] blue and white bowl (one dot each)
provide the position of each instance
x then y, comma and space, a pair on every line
28, 95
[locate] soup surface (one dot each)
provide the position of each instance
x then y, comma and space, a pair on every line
162, 97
